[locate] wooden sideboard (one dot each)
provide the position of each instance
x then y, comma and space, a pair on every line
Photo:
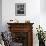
22, 33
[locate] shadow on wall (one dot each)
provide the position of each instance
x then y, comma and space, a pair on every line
43, 6
0, 15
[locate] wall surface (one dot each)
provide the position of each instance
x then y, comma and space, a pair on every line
43, 6
33, 13
0, 15
43, 14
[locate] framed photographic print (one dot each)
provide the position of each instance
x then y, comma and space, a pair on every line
20, 9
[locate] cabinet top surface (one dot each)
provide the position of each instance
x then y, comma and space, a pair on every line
19, 23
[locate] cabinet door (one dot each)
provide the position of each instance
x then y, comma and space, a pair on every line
20, 38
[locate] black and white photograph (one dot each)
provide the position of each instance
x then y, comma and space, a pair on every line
20, 9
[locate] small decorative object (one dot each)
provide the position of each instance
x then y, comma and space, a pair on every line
20, 9
11, 20
27, 21
41, 36
14, 21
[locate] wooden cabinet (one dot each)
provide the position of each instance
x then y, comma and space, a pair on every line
22, 33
